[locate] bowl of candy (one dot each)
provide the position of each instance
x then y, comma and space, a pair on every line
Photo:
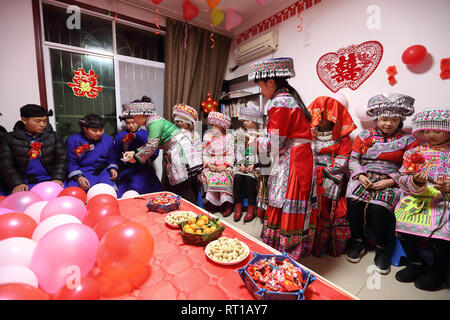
163, 203
275, 277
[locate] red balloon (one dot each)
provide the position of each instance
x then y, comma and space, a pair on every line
190, 11
16, 225
156, 1
414, 54
1, 198
96, 213
102, 199
125, 250
113, 287
76, 192
107, 223
88, 289
20, 291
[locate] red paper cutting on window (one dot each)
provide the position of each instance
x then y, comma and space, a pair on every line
85, 84
349, 67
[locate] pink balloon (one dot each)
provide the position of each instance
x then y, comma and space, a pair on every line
48, 190
64, 255
64, 205
100, 188
51, 223
260, 2
5, 210
16, 251
232, 19
19, 201
17, 274
34, 211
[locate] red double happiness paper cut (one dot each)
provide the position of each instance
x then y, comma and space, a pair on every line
85, 84
349, 67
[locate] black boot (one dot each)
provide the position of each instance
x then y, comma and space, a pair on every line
382, 260
437, 276
411, 272
430, 281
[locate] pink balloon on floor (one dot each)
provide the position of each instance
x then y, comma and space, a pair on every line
5, 210
64, 205
63, 255
17, 274
34, 211
16, 251
48, 190
19, 201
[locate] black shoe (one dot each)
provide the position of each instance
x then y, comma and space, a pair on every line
355, 250
410, 273
382, 260
430, 281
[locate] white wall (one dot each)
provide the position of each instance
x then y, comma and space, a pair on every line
19, 81
331, 25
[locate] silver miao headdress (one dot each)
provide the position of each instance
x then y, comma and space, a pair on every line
391, 105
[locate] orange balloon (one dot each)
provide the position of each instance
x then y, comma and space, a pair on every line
88, 289
107, 223
95, 214
213, 3
20, 291
125, 250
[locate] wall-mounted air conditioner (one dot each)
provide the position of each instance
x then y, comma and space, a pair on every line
257, 47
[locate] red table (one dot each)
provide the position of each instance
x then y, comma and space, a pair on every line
183, 272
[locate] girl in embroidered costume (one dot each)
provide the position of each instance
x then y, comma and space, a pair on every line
141, 178
332, 125
372, 191
292, 181
161, 134
184, 118
246, 170
32, 152
424, 211
218, 159
92, 157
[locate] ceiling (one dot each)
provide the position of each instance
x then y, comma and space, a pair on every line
250, 11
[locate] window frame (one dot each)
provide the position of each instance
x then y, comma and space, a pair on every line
46, 46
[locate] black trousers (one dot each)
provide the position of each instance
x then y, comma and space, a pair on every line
380, 219
244, 185
441, 250
187, 189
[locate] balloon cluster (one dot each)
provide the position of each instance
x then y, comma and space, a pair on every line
209, 104
55, 246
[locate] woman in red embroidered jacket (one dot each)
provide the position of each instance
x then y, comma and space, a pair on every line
332, 125
291, 183
372, 191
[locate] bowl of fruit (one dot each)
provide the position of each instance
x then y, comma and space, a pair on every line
201, 230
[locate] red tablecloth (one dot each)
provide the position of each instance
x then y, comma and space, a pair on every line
183, 272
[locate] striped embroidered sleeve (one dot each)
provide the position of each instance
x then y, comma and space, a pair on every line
354, 161
155, 130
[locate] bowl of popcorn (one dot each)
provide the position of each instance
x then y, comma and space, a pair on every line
227, 251
175, 218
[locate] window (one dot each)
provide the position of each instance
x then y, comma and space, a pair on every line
126, 71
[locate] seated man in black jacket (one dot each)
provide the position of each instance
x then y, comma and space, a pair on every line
32, 152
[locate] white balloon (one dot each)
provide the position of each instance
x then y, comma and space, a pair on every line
16, 251
339, 96
34, 211
18, 274
130, 194
101, 188
52, 222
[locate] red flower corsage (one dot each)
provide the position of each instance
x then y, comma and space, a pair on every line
128, 137
35, 150
81, 149
412, 163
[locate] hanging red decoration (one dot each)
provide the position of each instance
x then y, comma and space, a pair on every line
445, 69
85, 84
349, 67
190, 11
156, 1
392, 71
209, 104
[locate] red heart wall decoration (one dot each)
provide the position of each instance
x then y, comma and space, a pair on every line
349, 67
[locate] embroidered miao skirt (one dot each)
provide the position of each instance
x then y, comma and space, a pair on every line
292, 202
424, 215
218, 186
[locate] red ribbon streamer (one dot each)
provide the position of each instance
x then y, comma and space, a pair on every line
156, 21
